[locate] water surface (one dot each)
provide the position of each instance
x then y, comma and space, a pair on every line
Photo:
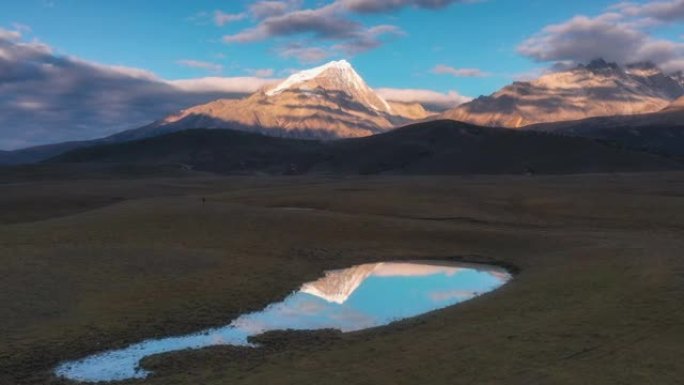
352, 299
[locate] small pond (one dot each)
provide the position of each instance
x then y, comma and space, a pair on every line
352, 299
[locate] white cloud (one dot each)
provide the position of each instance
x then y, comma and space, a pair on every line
261, 72
664, 11
442, 69
22, 28
235, 85
330, 27
305, 53
263, 9
6, 34
209, 66
324, 23
620, 35
432, 99
222, 18
380, 6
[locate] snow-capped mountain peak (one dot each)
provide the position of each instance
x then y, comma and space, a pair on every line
327, 102
334, 76
298, 78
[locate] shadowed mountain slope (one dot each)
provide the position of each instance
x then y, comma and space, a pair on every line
39, 153
439, 147
660, 132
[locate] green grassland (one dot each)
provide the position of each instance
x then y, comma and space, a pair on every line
88, 265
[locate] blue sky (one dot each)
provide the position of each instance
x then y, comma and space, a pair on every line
156, 35
88, 68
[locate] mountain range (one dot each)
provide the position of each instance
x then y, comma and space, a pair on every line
325, 120
597, 89
327, 102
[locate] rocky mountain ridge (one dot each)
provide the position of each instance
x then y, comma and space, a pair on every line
597, 89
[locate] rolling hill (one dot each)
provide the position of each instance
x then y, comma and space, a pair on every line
660, 132
439, 147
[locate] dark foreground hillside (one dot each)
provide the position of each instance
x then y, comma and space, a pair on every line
440, 147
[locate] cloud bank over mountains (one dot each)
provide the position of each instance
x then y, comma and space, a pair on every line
46, 97
432, 100
622, 34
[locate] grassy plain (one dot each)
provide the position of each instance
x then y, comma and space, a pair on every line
87, 265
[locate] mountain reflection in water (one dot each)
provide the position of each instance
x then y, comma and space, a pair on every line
352, 299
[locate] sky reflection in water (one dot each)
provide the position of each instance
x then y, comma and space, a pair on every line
352, 299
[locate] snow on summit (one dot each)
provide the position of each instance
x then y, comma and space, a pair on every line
334, 76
